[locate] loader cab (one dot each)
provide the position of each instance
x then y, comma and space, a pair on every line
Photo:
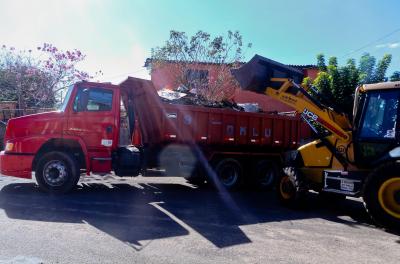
376, 121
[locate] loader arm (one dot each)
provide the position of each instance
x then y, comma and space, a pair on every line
310, 109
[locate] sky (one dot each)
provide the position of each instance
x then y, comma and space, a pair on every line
117, 36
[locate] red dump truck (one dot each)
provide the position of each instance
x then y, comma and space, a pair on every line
126, 128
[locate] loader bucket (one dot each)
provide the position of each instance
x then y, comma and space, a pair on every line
256, 74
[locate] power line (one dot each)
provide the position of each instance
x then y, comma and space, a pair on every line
371, 43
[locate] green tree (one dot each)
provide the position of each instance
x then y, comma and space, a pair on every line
354, 72
366, 68
321, 62
347, 87
307, 82
323, 83
381, 68
333, 72
339, 82
333, 61
395, 76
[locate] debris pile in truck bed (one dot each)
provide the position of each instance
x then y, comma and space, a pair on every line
251, 107
185, 97
190, 98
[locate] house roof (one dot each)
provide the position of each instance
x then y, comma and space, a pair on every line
148, 61
302, 67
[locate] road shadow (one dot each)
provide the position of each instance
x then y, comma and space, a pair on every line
145, 211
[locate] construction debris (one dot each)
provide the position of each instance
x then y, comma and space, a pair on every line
190, 98
251, 107
170, 95
184, 96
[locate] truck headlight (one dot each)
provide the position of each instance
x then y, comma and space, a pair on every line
9, 146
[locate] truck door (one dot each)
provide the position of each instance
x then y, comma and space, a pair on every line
93, 119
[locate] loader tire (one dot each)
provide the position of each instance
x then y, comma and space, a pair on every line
381, 195
289, 189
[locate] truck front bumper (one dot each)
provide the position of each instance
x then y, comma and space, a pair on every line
16, 164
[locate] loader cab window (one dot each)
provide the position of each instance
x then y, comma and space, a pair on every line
380, 115
93, 100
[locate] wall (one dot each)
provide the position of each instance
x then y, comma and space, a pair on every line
311, 72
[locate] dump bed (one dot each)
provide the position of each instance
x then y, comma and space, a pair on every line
161, 122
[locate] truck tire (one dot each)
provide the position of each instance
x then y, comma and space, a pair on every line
230, 173
127, 161
57, 172
381, 196
266, 174
289, 190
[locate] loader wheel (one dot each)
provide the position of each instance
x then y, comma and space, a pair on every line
230, 173
381, 196
289, 191
57, 172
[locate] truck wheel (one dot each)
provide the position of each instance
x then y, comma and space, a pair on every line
266, 174
57, 172
289, 190
230, 173
381, 196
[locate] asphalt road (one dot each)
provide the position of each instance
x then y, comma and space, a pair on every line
165, 220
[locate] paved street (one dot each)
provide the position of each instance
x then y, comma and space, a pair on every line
165, 220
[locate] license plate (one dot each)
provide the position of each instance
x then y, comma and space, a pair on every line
347, 185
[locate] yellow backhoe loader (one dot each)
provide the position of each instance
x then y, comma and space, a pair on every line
358, 158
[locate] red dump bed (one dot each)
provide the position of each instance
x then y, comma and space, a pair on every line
162, 122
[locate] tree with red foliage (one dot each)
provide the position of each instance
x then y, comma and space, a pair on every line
37, 78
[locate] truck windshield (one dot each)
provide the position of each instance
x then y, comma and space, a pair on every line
63, 106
